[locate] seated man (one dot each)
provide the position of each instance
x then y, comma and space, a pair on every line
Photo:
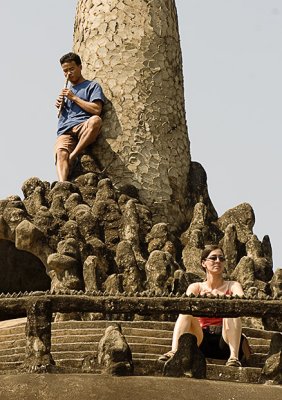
80, 107
219, 338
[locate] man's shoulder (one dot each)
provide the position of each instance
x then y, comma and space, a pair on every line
93, 83
87, 83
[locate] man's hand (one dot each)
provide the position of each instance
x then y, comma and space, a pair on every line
94, 108
69, 94
64, 93
59, 101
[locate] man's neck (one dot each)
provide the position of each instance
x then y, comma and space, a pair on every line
80, 80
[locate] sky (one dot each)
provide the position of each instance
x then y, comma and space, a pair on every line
232, 65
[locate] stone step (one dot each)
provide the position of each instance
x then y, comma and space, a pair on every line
64, 354
157, 325
257, 360
11, 337
258, 333
72, 341
258, 341
10, 366
96, 338
102, 324
157, 349
260, 348
161, 328
153, 368
149, 366
12, 351
8, 344
127, 331
18, 357
234, 374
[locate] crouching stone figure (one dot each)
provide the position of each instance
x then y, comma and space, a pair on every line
188, 360
114, 354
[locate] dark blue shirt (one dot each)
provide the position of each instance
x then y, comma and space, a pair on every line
72, 114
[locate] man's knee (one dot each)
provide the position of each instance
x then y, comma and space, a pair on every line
62, 155
95, 123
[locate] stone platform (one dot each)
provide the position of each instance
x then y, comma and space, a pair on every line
100, 387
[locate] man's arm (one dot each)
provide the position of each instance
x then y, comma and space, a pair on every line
94, 108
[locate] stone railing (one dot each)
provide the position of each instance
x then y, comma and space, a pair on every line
40, 306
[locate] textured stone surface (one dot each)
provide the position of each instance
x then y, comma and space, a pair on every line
272, 370
99, 238
188, 360
136, 213
132, 48
146, 303
114, 354
38, 338
103, 387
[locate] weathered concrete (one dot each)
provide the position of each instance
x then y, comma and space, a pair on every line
98, 387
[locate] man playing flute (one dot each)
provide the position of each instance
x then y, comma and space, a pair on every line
80, 107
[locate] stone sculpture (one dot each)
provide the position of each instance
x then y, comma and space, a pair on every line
272, 370
114, 354
188, 360
136, 212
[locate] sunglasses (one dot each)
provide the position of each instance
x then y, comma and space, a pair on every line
214, 258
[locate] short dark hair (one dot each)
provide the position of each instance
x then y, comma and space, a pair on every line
70, 57
209, 248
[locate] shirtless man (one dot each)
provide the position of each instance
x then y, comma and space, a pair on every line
79, 118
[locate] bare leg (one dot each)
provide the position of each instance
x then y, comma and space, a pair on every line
186, 323
62, 164
231, 333
89, 134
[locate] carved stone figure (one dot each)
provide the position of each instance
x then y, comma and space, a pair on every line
188, 360
114, 354
272, 370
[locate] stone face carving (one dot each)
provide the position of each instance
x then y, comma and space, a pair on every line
114, 354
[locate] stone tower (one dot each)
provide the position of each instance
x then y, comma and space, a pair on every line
132, 48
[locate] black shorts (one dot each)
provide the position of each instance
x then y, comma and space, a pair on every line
213, 345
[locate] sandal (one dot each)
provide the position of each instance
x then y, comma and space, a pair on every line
233, 362
167, 356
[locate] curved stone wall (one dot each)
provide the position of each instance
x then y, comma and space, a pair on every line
132, 48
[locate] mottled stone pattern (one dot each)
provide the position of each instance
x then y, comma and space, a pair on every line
114, 354
111, 228
38, 337
272, 370
188, 360
90, 236
132, 48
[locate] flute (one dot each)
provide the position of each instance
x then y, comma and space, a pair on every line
63, 101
